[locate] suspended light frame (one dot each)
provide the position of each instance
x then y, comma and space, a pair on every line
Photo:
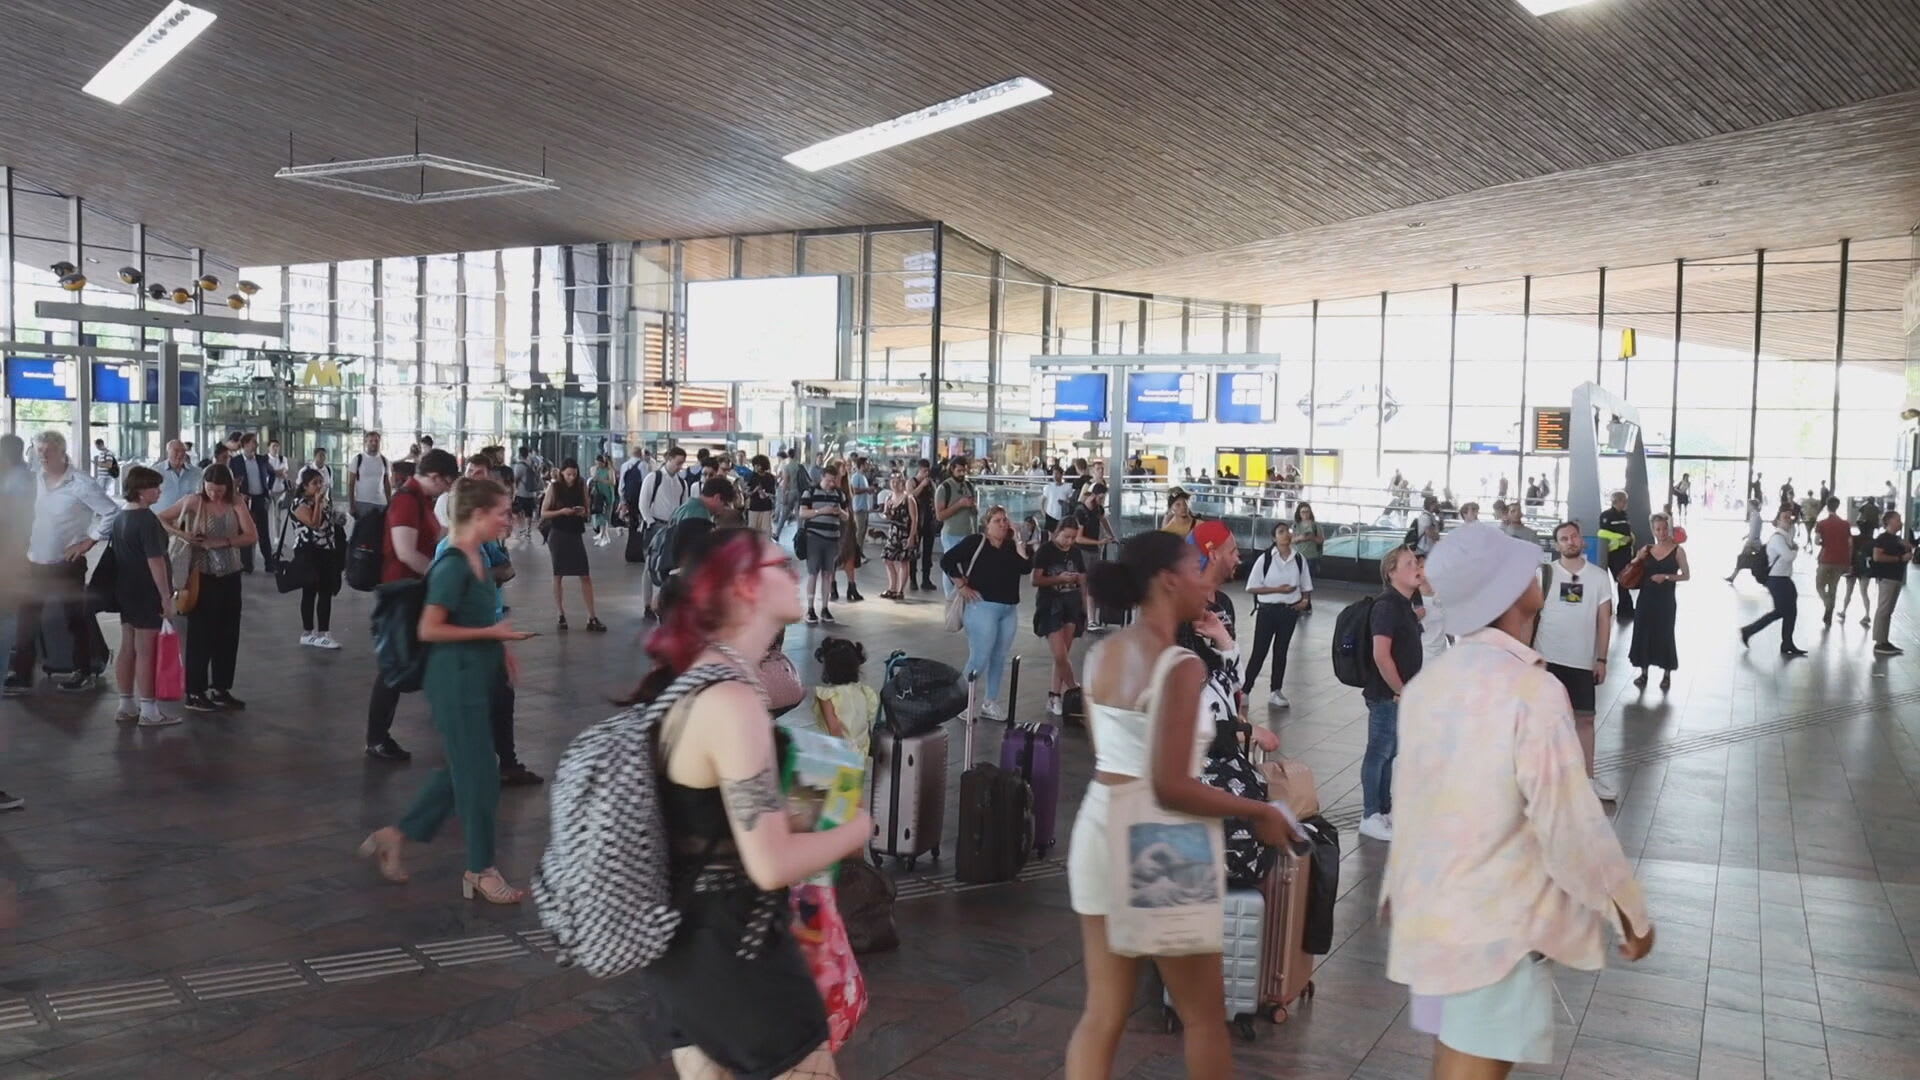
333, 175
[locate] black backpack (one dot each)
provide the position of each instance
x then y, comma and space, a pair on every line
364, 556
397, 647
1230, 768
1353, 643
669, 544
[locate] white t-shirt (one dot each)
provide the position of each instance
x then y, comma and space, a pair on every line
369, 478
1567, 632
1270, 571
1057, 498
1433, 625
1780, 553
1422, 521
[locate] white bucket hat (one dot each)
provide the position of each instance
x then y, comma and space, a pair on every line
1478, 571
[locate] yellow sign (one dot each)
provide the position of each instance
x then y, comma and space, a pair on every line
320, 372
1628, 347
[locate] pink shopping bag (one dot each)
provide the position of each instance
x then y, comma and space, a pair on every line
822, 935
169, 666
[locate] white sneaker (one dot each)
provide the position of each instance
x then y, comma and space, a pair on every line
159, 720
307, 638
991, 710
1377, 827
325, 641
1279, 700
1605, 790
1053, 704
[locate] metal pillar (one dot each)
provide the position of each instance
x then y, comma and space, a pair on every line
1453, 352
864, 277
934, 365
6, 268
1673, 408
79, 450
1753, 392
995, 288
1839, 353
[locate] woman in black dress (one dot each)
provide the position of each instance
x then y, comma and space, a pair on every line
564, 512
1663, 564
1060, 608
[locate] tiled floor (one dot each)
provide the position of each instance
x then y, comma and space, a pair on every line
190, 906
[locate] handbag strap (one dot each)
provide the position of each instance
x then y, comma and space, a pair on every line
980, 547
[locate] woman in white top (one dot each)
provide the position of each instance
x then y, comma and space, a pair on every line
1781, 550
1280, 585
1161, 575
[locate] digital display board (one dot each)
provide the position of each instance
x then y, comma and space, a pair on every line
1245, 397
33, 379
1078, 396
1166, 397
764, 329
112, 386
1550, 428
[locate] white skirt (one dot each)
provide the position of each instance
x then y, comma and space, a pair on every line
1089, 857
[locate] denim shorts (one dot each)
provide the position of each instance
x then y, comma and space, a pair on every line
1512, 1020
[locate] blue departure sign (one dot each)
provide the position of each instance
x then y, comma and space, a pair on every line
1079, 397
1166, 397
1245, 397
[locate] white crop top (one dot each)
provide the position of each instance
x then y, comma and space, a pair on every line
1122, 738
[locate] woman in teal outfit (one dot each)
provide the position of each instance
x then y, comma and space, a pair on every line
462, 624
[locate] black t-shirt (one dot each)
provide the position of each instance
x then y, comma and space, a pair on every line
760, 490
1092, 522
1393, 617
1891, 544
1050, 561
995, 575
1615, 521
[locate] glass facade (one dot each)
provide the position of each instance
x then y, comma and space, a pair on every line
1768, 365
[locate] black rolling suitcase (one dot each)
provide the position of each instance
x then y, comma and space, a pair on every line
996, 808
56, 645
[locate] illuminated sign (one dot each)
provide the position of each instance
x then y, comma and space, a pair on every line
1550, 427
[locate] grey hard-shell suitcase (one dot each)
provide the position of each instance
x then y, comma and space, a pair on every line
1240, 960
908, 799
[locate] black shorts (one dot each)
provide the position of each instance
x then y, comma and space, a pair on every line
526, 505
1579, 684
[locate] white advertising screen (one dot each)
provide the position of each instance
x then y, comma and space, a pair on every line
763, 329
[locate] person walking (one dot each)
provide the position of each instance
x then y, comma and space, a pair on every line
529, 486
314, 539
1281, 585
1616, 532
1395, 633
254, 481
1655, 644
143, 589
903, 541
956, 506
1505, 864
761, 487
986, 568
563, 510
217, 532
1891, 553
1834, 536
733, 985
1574, 635
921, 488
1753, 548
600, 499
1056, 500
1146, 712
368, 478
1781, 550
70, 515
1683, 495
407, 545
823, 515
660, 493
1060, 608
466, 645
1860, 569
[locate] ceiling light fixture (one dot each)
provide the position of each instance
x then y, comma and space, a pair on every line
170, 31
1548, 7
996, 98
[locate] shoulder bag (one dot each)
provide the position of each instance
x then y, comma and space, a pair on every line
187, 596
1632, 573
1168, 870
958, 603
297, 571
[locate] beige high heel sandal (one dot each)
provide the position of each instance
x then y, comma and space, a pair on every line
385, 856
491, 887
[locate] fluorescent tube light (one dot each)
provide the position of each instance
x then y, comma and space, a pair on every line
170, 31
1548, 7
900, 129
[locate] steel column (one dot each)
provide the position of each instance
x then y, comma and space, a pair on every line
934, 365
83, 365
1453, 352
1753, 391
1839, 355
1673, 407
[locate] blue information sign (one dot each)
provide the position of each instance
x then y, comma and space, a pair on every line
1078, 396
112, 386
1244, 397
35, 379
1166, 397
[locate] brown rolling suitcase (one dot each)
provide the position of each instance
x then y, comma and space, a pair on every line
1286, 974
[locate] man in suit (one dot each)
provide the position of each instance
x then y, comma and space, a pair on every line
253, 479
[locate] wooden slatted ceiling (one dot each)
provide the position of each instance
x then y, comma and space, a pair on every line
1177, 129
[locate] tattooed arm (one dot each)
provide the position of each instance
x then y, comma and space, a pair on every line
737, 734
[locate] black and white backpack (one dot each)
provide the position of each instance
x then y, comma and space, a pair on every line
602, 886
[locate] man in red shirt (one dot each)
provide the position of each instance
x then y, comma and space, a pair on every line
408, 540
1836, 554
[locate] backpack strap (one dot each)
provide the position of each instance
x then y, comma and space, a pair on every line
687, 684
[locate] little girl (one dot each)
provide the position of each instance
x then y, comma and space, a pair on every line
842, 704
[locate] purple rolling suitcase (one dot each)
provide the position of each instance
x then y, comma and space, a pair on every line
1033, 752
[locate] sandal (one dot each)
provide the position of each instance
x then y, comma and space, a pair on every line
491, 887
1666, 681
385, 855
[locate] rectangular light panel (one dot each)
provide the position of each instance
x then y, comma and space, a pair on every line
1548, 7
170, 31
996, 98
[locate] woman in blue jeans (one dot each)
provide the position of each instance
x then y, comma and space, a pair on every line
987, 568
